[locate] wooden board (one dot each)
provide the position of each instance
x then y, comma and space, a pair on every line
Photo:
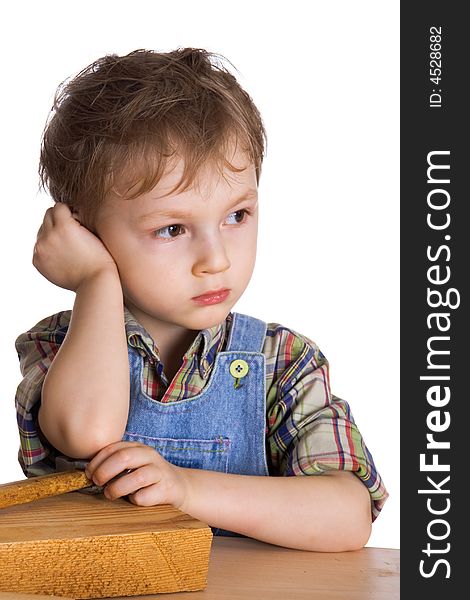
21, 596
85, 546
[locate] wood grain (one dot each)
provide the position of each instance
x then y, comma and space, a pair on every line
20, 596
27, 490
85, 546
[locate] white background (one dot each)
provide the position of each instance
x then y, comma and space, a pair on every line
325, 76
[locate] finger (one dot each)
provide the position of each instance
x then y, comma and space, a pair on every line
104, 453
47, 220
60, 211
129, 484
119, 461
49, 214
149, 496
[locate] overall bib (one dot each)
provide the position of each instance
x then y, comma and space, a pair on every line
223, 427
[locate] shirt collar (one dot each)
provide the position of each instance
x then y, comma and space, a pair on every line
205, 346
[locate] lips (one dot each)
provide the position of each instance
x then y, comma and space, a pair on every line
212, 294
213, 297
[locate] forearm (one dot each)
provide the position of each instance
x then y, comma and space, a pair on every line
329, 513
85, 396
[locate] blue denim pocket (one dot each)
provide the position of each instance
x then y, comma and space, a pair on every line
211, 455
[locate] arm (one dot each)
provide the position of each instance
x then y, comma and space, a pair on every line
85, 395
310, 430
328, 513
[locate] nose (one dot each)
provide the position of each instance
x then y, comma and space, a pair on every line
210, 255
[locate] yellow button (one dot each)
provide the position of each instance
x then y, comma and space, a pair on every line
239, 368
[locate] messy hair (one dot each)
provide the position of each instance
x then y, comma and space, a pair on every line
114, 126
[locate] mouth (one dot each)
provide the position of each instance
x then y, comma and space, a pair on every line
212, 297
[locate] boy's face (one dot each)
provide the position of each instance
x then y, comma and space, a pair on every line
170, 249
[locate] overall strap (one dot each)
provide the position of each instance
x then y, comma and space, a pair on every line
246, 334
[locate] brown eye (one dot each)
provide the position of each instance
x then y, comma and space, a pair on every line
171, 229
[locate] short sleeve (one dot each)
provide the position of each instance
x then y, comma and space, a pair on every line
310, 430
36, 350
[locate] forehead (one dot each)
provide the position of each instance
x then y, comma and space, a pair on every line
210, 179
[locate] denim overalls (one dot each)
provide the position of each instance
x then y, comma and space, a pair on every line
223, 427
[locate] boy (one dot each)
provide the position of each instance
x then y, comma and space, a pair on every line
153, 160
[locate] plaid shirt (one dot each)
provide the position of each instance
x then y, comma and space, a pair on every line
308, 430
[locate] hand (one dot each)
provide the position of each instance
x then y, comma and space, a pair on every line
153, 480
67, 253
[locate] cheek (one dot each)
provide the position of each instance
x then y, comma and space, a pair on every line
149, 271
246, 251
251, 253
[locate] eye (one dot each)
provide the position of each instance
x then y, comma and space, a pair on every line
172, 230
241, 215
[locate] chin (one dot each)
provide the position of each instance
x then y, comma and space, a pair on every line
208, 316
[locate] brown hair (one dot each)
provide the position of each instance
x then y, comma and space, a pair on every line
121, 118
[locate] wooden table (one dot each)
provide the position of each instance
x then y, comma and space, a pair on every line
245, 569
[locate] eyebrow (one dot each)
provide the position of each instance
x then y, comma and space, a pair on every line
248, 195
